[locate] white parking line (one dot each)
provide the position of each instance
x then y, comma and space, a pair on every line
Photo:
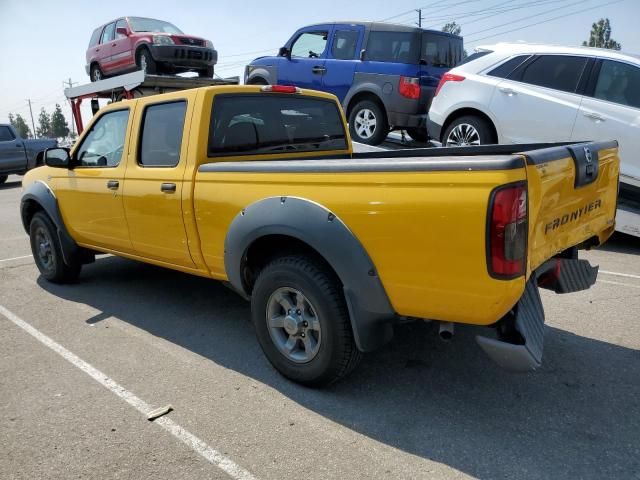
618, 274
15, 258
234, 470
619, 283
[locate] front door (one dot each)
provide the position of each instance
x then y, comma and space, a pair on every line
342, 59
610, 110
90, 195
306, 65
153, 188
121, 48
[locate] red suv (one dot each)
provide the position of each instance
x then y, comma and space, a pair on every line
137, 43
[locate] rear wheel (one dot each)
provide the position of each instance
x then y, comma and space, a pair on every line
302, 322
418, 134
96, 73
258, 81
468, 131
3, 178
146, 62
47, 251
368, 123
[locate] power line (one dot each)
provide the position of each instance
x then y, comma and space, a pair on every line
434, 4
546, 21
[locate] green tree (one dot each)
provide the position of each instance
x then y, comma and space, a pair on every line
59, 126
20, 125
44, 124
452, 27
600, 36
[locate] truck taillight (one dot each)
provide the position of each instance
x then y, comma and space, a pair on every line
409, 87
507, 231
281, 89
448, 77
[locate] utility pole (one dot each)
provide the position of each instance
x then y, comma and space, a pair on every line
71, 84
33, 124
419, 10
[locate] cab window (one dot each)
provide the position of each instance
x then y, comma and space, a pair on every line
109, 33
5, 134
344, 44
104, 144
260, 124
395, 47
161, 135
310, 45
618, 83
559, 72
122, 23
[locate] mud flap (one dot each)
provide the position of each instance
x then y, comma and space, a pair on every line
529, 322
565, 275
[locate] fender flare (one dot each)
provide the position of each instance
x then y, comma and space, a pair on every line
365, 87
369, 307
40, 193
268, 72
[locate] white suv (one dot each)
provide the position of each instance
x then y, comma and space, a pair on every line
520, 93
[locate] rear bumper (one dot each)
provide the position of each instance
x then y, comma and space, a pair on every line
434, 130
184, 56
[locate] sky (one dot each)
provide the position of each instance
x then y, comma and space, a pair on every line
43, 42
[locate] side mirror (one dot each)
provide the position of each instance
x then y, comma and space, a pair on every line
362, 52
57, 157
284, 52
122, 31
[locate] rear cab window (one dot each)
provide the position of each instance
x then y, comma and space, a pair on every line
109, 33
618, 83
272, 123
6, 135
558, 72
95, 37
161, 134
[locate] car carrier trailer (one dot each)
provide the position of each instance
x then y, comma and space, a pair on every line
133, 85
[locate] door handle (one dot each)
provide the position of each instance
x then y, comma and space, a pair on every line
319, 70
113, 44
18, 145
594, 116
168, 188
113, 184
508, 91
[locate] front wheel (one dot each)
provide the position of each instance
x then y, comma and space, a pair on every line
146, 62
47, 251
302, 322
368, 123
96, 73
468, 131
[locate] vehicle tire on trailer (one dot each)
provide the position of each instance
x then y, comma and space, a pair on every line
3, 178
96, 73
418, 134
47, 251
466, 131
302, 322
368, 123
146, 62
258, 81
206, 72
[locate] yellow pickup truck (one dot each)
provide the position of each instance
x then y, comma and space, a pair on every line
258, 186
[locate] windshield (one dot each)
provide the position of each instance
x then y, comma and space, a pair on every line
441, 50
139, 24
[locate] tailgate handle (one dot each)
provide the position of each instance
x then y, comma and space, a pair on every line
586, 161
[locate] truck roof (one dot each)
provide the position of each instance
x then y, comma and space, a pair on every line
545, 48
383, 27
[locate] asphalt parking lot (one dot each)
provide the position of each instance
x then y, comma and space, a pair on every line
418, 408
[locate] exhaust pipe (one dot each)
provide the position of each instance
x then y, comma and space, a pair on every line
445, 331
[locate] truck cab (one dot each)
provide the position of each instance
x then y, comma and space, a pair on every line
384, 75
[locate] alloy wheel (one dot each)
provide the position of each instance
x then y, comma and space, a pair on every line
463, 135
365, 123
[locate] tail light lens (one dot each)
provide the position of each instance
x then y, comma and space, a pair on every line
409, 87
508, 231
448, 77
280, 89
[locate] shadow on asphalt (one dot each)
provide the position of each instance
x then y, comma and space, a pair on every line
622, 243
8, 185
577, 417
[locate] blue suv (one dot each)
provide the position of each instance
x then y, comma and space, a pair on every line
383, 74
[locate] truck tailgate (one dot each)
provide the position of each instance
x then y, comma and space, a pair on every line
572, 197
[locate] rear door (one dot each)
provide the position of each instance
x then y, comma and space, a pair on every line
342, 59
539, 102
12, 154
610, 110
572, 196
153, 187
306, 66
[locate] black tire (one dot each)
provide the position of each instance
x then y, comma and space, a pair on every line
381, 129
418, 134
144, 58
53, 268
258, 81
3, 178
95, 73
337, 354
482, 127
206, 72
